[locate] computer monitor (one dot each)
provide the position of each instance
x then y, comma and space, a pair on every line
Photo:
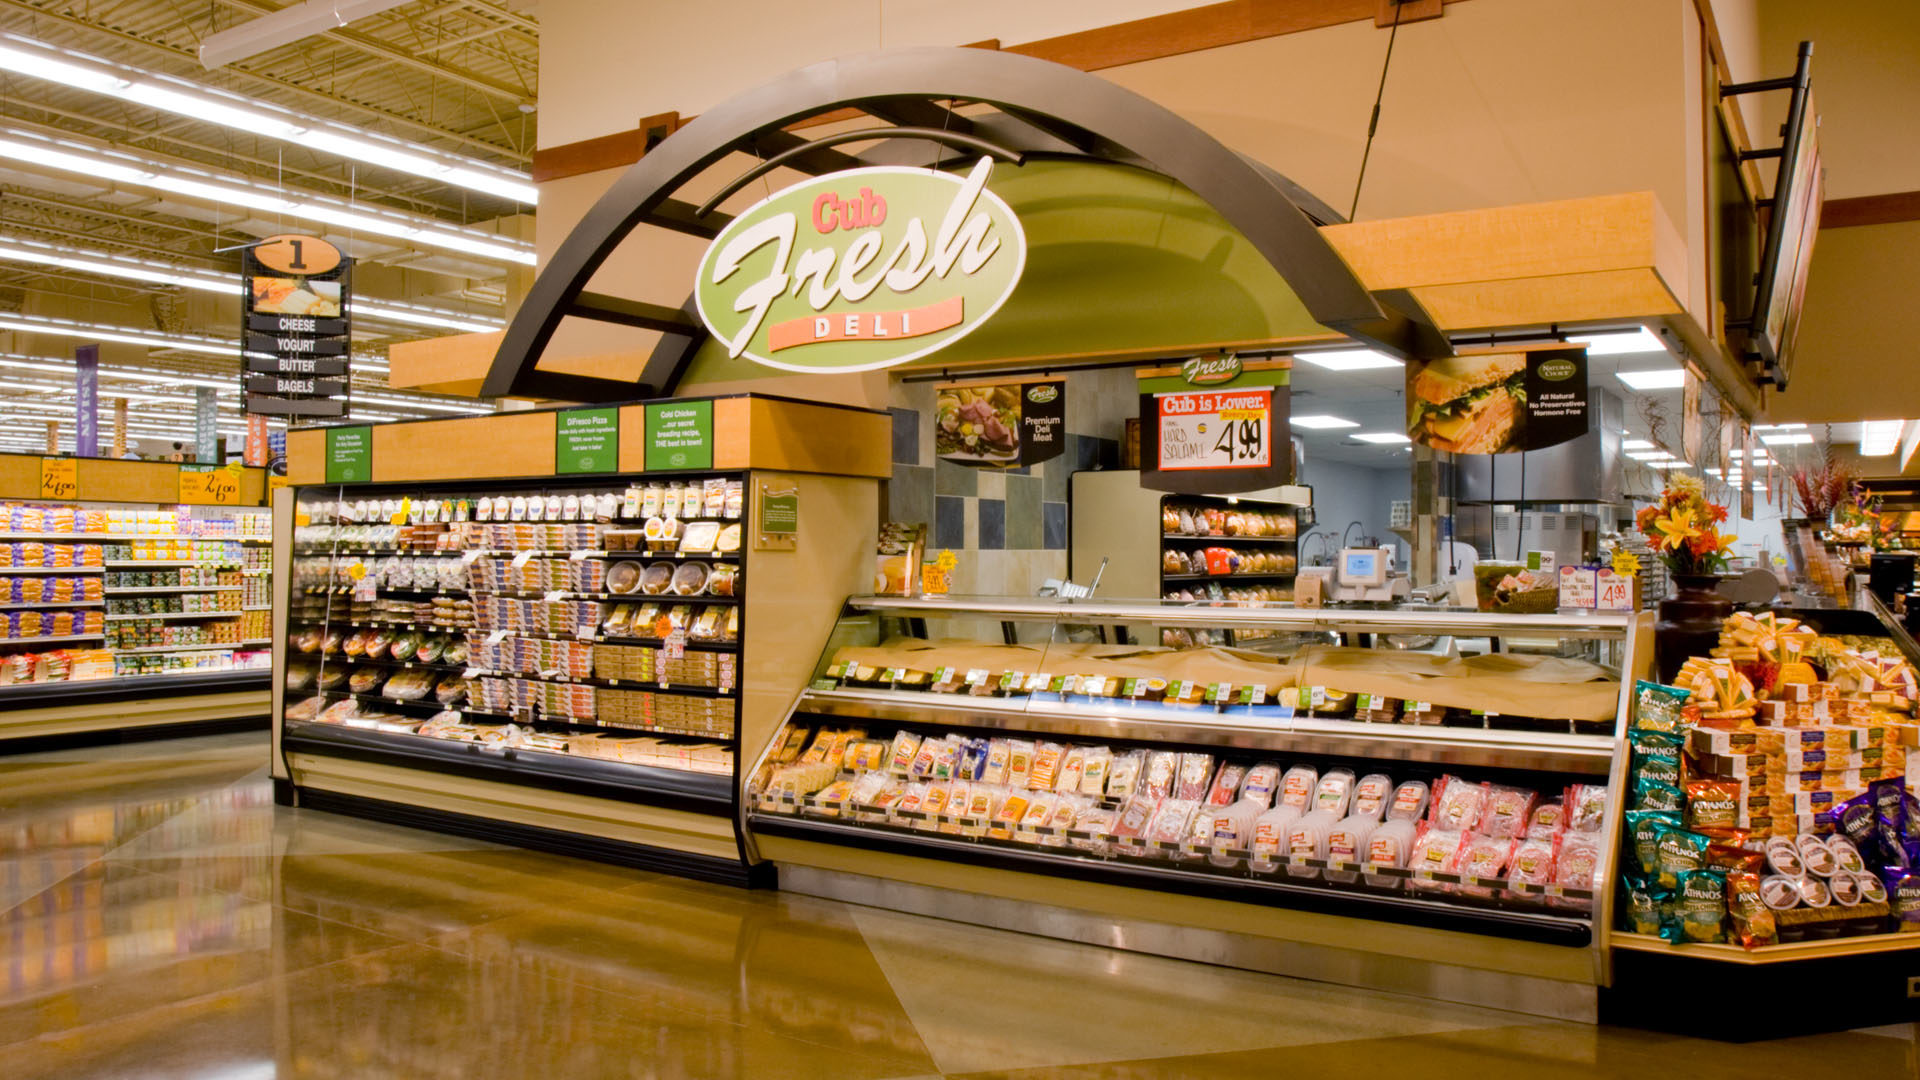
1363, 567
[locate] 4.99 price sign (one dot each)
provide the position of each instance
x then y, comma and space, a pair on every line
1216, 429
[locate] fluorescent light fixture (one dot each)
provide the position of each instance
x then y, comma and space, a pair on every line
1656, 379
1642, 340
1382, 437
1652, 455
1779, 427
1668, 465
40, 324
1349, 359
284, 27
1878, 438
25, 56
108, 264
1320, 422
1790, 438
1636, 444
123, 168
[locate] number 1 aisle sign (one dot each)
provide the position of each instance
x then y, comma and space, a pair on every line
1217, 429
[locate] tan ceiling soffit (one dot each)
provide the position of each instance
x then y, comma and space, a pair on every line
1135, 41
1603, 259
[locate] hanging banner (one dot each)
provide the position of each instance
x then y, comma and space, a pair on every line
256, 452
1000, 425
861, 269
1498, 402
296, 321
86, 401
1216, 424
206, 426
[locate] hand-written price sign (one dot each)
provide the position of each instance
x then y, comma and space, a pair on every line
209, 487
59, 478
1217, 429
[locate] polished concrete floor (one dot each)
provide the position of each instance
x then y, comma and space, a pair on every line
160, 917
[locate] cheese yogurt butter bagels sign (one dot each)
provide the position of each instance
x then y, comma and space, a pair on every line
861, 269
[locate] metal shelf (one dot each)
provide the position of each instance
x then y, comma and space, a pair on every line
57, 604
1237, 727
232, 614
119, 590
142, 650
1195, 538
36, 641
154, 564
1261, 576
10, 571
1268, 617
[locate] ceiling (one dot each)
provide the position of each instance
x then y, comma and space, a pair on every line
454, 79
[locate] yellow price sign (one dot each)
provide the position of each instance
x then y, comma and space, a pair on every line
1626, 562
357, 571
59, 478
216, 487
947, 560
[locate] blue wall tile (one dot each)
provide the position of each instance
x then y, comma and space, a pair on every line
906, 438
950, 522
1055, 514
993, 525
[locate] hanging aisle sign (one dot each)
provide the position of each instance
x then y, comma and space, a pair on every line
296, 322
861, 269
1216, 424
1498, 402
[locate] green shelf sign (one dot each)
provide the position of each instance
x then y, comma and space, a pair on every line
349, 455
679, 435
586, 440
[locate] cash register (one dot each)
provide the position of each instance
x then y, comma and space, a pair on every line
1365, 576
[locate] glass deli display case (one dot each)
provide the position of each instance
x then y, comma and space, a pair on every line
578, 635
1371, 792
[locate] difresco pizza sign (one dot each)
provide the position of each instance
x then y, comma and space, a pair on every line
861, 269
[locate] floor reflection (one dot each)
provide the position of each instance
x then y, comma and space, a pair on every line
160, 917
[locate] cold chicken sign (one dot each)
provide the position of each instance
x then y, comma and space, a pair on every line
861, 269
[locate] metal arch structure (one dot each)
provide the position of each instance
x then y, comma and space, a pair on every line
1044, 108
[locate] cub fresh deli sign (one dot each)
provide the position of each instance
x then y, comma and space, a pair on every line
1215, 424
861, 269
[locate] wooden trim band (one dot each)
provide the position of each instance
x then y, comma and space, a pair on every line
1870, 210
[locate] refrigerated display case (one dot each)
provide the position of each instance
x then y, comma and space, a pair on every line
1308, 804
116, 617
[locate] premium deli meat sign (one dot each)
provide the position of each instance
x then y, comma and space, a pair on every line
861, 269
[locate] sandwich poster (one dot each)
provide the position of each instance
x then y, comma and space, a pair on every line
1498, 402
1000, 425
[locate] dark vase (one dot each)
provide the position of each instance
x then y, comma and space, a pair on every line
1689, 624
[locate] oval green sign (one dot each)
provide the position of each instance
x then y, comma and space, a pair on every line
1556, 370
1043, 393
1211, 370
861, 269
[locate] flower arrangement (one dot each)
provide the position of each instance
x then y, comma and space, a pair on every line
1856, 520
1683, 528
1819, 490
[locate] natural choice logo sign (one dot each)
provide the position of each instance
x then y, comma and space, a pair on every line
861, 269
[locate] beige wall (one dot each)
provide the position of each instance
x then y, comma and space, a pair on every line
604, 65
1858, 358
1499, 102
1866, 79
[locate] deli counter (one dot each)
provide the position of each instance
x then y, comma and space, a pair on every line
1418, 801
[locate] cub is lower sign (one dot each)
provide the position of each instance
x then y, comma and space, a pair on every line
1223, 429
